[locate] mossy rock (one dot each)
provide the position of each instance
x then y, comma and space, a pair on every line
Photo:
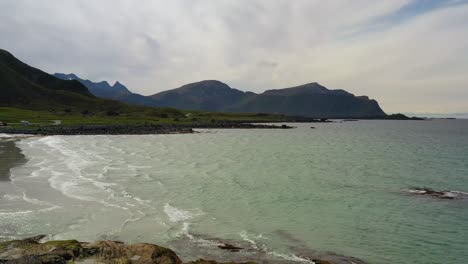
7, 244
64, 244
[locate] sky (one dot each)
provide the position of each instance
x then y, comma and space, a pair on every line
409, 55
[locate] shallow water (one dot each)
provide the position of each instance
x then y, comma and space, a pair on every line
339, 189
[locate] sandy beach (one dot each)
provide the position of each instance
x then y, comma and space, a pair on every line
10, 156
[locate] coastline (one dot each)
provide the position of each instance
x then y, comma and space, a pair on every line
35, 250
10, 157
31, 250
132, 129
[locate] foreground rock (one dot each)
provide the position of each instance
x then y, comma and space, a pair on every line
31, 250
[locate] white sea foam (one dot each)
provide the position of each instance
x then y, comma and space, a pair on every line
10, 197
65, 167
185, 231
458, 192
34, 201
178, 215
133, 218
14, 136
246, 237
290, 257
16, 213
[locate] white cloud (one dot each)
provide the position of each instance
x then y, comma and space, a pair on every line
415, 65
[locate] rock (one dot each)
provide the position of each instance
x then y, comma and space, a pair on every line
202, 261
437, 194
30, 251
136, 253
317, 261
230, 248
34, 239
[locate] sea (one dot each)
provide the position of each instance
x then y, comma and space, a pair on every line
342, 191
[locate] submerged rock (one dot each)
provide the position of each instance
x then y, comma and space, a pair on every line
230, 248
439, 194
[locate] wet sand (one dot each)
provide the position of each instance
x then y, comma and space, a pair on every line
10, 156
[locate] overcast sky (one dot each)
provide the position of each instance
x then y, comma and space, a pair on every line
410, 55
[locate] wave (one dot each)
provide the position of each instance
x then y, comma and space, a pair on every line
290, 257
64, 166
178, 215
253, 250
16, 213
185, 231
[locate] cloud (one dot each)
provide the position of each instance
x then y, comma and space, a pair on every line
408, 54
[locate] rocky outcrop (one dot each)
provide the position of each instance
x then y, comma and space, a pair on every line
32, 251
450, 195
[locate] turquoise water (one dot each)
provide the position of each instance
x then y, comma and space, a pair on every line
284, 195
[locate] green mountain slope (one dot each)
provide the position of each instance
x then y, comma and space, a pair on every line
26, 87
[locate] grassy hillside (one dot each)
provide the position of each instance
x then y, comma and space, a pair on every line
13, 116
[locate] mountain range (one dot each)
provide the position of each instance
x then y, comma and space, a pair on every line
25, 87
309, 100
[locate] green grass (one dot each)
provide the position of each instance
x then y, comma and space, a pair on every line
132, 115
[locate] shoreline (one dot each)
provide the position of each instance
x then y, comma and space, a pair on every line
35, 250
132, 129
10, 157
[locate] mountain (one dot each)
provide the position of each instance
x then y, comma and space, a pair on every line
21, 84
100, 89
116, 92
309, 100
208, 95
25, 87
